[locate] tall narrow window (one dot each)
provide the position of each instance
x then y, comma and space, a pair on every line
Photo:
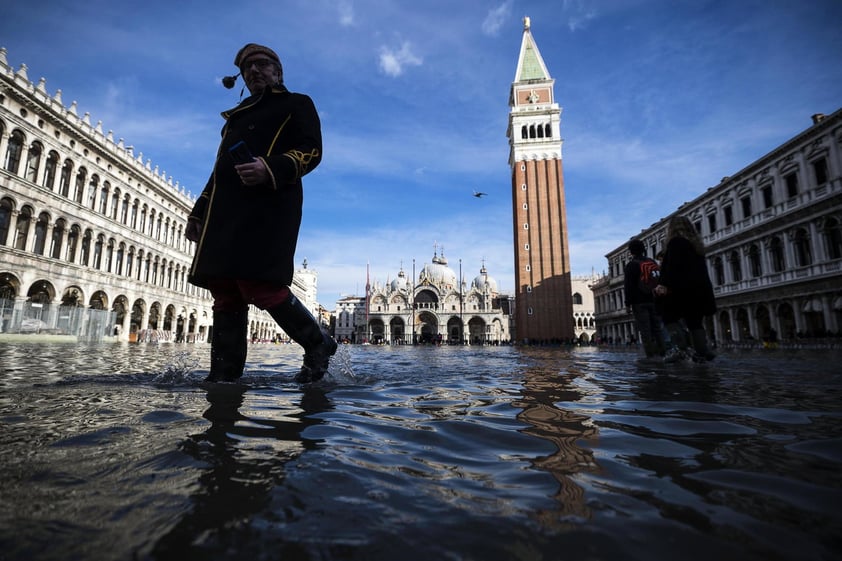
79, 188
820, 171
776, 254
98, 247
103, 197
41, 233
64, 180
50, 170
72, 242
93, 190
33, 161
728, 213
754, 262
22, 232
57, 238
85, 257
736, 266
768, 201
803, 255
832, 236
6, 208
14, 151
745, 202
711, 223
719, 271
791, 180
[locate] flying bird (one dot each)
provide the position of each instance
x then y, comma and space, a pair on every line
479, 194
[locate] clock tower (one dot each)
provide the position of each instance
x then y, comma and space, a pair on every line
543, 293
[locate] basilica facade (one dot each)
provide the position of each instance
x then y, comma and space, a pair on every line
434, 307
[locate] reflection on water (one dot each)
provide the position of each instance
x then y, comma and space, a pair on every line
118, 452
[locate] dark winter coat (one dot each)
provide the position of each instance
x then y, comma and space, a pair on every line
250, 232
685, 274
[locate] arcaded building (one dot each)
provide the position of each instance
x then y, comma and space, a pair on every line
91, 233
773, 238
542, 258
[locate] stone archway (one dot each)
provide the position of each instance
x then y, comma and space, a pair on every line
786, 320
429, 327
41, 292
9, 286
455, 333
98, 301
397, 329
476, 329
121, 309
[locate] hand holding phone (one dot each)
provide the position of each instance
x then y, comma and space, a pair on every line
240, 153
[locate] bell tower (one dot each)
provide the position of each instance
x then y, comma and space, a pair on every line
543, 293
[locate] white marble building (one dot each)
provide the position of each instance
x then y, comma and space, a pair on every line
773, 236
433, 307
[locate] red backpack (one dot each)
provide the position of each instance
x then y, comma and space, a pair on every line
650, 275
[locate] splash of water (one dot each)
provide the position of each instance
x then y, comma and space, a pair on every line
178, 370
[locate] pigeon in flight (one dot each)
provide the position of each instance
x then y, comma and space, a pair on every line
479, 194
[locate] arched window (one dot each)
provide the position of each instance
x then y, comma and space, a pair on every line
158, 226
93, 189
64, 180
72, 243
754, 263
6, 208
14, 151
33, 161
719, 271
736, 266
103, 197
85, 258
531, 131
129, 261
50, 170
118, 265
115, 203
524, 133
803, 254
776, 254
577, 299
100, 242
41, 233
124, 210
548, 131
142, 219
109, 256
540, 131
133, 219
57, 238
79, 188
22, 233
832, 238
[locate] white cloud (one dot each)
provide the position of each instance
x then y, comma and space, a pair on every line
580, 14
346, 13
496, 17
392, 62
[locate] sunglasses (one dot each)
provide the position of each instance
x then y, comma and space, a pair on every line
260, 63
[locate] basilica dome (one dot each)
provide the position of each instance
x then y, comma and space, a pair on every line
484, 278
399, 283
438, 273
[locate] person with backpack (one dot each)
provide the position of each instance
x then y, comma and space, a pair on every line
641, 277
685, 285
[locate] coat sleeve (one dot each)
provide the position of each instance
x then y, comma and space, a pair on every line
201, 204
291, 160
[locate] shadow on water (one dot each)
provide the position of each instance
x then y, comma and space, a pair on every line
245, 455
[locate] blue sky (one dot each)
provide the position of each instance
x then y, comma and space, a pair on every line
660, 100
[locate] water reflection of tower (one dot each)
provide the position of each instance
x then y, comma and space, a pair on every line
543, 294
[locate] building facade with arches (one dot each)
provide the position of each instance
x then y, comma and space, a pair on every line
773, 239
432, 308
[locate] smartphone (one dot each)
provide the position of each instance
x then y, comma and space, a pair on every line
240, 153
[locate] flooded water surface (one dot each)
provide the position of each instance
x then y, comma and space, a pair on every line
118, 451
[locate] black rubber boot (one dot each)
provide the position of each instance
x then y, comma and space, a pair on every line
228, 346
700, 346
302, 327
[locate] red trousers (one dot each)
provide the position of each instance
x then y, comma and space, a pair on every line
231, 295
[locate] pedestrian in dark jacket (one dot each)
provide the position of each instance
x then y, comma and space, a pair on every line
686, 287
640, 298
246, 221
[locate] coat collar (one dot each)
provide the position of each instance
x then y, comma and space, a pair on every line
255, 99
